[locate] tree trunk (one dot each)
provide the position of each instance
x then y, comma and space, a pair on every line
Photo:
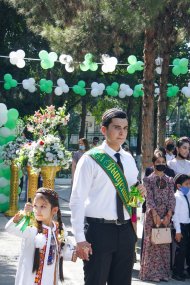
148, 99
83, 118
139, 135
162, 101
129, 114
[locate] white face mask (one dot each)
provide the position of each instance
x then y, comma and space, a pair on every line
82, 147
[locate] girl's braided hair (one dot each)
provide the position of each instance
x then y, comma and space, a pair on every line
52, 197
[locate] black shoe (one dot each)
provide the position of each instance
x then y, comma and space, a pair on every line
178, 277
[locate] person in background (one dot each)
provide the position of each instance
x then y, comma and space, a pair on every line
83, 147
180, 164
181, 222
169, 147
160, 204
95, 141
169, 172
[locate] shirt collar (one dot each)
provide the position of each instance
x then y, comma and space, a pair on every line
110, 150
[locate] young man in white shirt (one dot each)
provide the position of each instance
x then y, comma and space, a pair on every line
108, 245
181, 221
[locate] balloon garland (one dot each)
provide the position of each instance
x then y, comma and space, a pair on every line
97, 89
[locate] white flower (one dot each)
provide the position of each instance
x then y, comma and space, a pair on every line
40, 241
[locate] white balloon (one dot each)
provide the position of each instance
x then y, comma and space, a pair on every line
157, 90
102, 86
20, 53
61, 82
3, 118
32, 89
58, 91
129, 92
94, 92
14, 60
94, 85
122, 94
69, 67
31, 80
63, 58
3, 108
65, 88
4, 182
5, 132
158, 70
4, 198
20, 63
113, 60
105, 68
184, 90
25, 84
12, 54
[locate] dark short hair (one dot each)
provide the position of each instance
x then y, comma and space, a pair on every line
180, 179
111, 114
160, 149
157, 155
96, 139
182, 140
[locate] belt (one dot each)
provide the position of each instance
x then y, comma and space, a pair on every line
104, 221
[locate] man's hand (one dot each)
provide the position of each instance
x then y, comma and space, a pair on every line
83, 249
142, 190
17, 218
178, 237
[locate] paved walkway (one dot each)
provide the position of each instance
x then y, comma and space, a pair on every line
10, 247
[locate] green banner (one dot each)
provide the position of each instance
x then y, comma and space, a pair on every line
112, 169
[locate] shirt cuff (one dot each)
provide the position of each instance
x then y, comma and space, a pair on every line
178, 228
80, 237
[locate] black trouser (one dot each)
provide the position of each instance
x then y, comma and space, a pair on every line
182, 250
113, 254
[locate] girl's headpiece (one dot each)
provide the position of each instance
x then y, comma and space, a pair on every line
47, 192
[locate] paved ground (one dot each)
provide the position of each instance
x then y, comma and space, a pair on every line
10, 247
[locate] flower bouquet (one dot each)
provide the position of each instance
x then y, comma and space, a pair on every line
10, 151
48, 121
49, 151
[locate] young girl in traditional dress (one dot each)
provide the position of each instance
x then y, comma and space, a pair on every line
43, 241
160, 203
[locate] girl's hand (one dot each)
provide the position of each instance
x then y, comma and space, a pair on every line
17, 218
178, 237
28, 208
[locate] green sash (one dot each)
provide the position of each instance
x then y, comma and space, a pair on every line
115, 173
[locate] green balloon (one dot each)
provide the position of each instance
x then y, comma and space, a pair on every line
115, 85
2, 141
131, 69
93, 66
176, 61
76, 89
19, 190
4, 207
183, 69
8, 77
139, 65
11, 124
176, 70
7, 86
183, 62
48, 89
84, 67
10, 139
43, 54
135, 93
88, 57
13, 83
20, 173
42, 81
82, 83
49, 83
45, 64
132, 59
5, 190
83, 92
12, 114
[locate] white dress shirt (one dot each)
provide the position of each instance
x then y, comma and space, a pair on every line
181, 166
93, 193
169, 157
181, 214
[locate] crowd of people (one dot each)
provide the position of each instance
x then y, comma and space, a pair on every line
103, 221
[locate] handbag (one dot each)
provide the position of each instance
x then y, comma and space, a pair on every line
161, 235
